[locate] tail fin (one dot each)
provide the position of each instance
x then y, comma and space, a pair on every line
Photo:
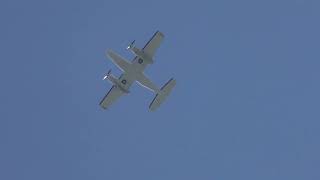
163, 93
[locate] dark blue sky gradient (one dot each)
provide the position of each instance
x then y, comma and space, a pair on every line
246, 104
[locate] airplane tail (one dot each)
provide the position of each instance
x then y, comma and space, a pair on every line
162, 94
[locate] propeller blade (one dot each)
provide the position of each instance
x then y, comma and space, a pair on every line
106, 76
131, 44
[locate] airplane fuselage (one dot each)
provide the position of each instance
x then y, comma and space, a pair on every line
134, 71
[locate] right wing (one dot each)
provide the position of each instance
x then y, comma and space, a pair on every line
153, 44
113, 94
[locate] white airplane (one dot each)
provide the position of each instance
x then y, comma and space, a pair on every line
133, 71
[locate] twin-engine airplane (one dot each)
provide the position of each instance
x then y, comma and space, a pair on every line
133, 71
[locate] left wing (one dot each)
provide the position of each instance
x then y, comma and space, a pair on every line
153, 44
113, 94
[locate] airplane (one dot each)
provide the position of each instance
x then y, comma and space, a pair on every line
134, 72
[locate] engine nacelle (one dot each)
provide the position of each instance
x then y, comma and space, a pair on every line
115, 81
138, 52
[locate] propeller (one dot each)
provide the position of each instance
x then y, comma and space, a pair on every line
108, 74
131, 44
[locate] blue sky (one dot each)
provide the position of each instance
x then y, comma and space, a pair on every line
246, 104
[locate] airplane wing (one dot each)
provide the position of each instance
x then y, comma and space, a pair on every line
153, 44
113, 94
142, 66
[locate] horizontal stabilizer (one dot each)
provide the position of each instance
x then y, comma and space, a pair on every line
162, 95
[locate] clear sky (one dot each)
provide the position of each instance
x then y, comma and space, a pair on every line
246, 104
